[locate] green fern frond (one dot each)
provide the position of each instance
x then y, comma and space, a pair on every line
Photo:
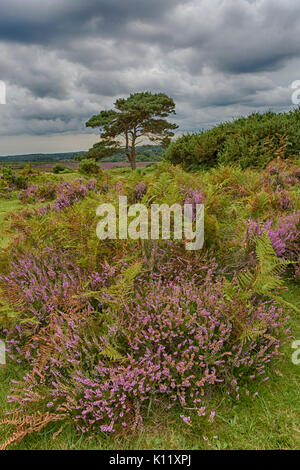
111, 353
253, 332
265, 280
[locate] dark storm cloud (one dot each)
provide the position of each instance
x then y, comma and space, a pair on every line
33, 21
64, 60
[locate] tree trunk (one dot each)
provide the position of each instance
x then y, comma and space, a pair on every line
133, 164
132, 156
132, 159
127, 151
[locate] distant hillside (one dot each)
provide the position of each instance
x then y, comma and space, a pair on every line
144, 154
40, 157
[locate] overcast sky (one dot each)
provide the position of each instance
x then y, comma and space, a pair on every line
65, 60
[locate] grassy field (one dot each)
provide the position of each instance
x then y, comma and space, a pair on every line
270, 421
7, 209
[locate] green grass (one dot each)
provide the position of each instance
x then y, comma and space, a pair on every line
70, 176
7, 208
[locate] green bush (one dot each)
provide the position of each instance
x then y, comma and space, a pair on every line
28, 170
89, 166
58, 168
17, 180
250, 142
8, 174
20, 181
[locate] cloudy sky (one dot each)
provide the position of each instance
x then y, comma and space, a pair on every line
65, 60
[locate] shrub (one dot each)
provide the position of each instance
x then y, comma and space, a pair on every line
249, 142
89, 166
27, 170
69, 193
192, 150
15, 181
193, 197
58, 168
282, 175
45, 280
8, 174
20, 182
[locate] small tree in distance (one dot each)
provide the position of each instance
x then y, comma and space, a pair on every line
140, 116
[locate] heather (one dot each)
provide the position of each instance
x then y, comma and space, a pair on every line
65, 194
104, 334
284, 236
173, 339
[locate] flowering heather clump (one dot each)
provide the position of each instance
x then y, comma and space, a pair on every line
194, 197
6, 192
140, 191
40, 286
284, 236
34, 193
174, 340
69, 193
65, 194
281, 175
28, 195
283, 200
166, 260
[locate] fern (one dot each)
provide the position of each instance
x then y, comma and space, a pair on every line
265, 280
253, 332
163, 190
122, 290
26, 424
258, 202
112, 354
119, 292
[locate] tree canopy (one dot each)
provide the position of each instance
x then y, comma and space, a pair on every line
141, 115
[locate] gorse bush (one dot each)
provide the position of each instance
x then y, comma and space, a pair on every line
249, 142
89, 166
58, 168
8, 174
14, 180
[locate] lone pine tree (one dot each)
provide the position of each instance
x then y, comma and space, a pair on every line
140, 116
